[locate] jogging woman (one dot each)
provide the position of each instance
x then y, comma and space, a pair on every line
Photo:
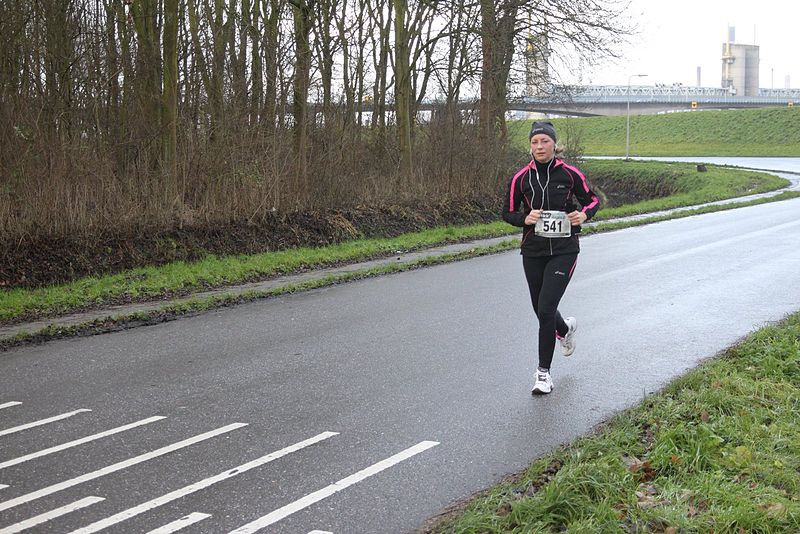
542, 199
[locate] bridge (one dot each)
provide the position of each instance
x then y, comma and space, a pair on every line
592, 100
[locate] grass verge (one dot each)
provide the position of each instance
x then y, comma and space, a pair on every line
718, 450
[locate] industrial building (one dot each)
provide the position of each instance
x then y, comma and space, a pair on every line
739, 66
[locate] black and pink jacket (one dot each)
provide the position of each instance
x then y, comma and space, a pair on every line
553, 186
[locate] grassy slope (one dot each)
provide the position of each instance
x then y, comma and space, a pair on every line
671, 185
748, 132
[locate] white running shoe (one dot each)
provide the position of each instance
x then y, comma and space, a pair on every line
543, 383
568, 341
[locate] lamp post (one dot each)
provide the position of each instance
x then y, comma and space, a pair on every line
628, 120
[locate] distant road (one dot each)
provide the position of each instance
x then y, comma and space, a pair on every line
369, 406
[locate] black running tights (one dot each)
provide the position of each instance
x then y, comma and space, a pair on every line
548, 277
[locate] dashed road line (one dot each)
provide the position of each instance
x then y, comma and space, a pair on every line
52, 514
42, 422
9, 404
177, 494
181, 523
57, 448
308, 500
117, 467
3, 486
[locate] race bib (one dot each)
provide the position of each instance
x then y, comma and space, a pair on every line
553, 224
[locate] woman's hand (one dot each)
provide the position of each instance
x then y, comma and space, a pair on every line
532, 217
576, 218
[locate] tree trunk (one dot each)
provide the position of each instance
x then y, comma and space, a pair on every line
402, 87
58, 62
302, 29
169, 97
128, 77
217, 74
256, 67
488, 32
112, 70
381, 50
347, 116
497, 32
147, 87
271, 34
241, 74
359, 74
326, 48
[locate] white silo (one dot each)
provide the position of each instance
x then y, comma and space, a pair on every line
739, 66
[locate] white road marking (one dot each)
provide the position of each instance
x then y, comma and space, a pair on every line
116, 467
52, 514
320, 532
3, 486
15, 461
42, 422
177, 494
308, 500
9, 404
178, 524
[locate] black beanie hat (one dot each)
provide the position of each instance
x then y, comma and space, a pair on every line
543, 127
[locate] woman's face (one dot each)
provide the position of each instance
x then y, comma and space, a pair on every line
543, 148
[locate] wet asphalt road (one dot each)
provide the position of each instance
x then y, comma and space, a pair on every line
440, 358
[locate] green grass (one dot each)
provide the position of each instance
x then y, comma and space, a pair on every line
184, 278
717, 451
749, 132
679, 183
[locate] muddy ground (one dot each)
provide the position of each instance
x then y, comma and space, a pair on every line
59, 259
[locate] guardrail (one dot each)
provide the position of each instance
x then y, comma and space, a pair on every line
602, 94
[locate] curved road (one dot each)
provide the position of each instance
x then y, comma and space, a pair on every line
369, 406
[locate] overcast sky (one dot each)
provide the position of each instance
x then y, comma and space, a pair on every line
675, 37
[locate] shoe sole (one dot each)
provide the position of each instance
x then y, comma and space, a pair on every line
568, 354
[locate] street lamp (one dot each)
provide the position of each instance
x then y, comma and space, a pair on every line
628, 121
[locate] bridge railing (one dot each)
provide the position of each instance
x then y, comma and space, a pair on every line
659, 94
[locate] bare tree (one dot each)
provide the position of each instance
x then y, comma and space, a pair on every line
303, 20
148, 72
403, 85
381, 14
498, 21
272, 11
412, 35
169, 98
581, 28
326, 47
